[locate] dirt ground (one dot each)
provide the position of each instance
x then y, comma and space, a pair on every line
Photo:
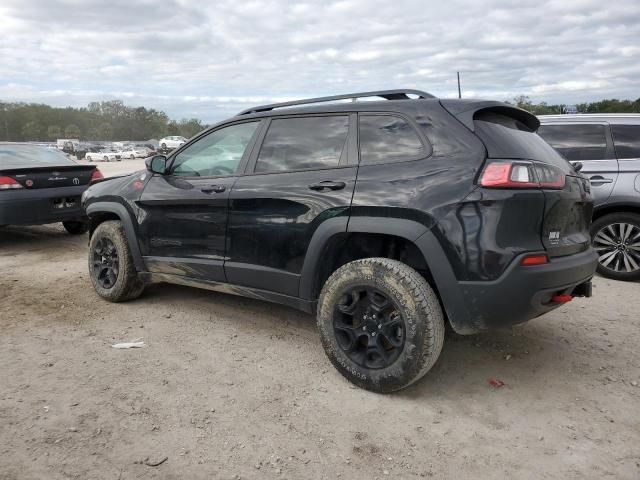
233, 388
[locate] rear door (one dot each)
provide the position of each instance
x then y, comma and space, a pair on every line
626, 139
303, 174
589, 143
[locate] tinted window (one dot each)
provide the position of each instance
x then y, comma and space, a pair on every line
577, 141
218, 153
627, 140
303, 143
387, 138
508, 137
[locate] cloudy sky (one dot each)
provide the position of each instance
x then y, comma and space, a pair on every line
210, 59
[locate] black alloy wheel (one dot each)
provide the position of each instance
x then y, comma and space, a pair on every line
106, 263
369, 328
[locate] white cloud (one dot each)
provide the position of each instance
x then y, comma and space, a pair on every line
212, 59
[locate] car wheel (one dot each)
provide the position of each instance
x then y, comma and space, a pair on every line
111, 267
164, 146
616, 238
105, 158
380, 323
88, 157
76, 228
132, 157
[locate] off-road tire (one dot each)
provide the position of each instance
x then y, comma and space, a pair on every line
127, 285
416, 302
613, 218
76, 227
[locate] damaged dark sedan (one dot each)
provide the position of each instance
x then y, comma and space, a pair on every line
41, 185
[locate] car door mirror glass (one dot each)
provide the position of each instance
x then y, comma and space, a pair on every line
157, 164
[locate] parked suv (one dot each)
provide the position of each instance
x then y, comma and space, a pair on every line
608, 147
385, 218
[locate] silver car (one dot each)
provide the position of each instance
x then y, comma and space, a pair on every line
608, 147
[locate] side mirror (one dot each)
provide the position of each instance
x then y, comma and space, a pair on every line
577, 166
157, 164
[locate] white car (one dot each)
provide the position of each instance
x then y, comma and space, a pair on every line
171, 142
134, 152
105, 155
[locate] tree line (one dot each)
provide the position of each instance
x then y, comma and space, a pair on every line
104, 121
612, 105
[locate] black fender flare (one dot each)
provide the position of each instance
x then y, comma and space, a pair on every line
444, 277
129, 230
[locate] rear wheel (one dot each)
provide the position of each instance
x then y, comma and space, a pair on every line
88, 157
380, 323
616, 238
76, 227
105, 158
111, 267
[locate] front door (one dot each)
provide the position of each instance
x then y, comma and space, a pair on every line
590, 144
303, 174
185, 211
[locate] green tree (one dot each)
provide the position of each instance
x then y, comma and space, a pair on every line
31, 131
54, 132
72, 131
105, 131
189, 127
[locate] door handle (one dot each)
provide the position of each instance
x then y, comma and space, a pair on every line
599, 180
327, 185
213, 189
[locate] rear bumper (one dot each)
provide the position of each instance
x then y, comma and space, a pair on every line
34, 207
523, 293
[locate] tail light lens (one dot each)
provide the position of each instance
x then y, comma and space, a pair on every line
8, 183
533, 260
519, 174
96, 175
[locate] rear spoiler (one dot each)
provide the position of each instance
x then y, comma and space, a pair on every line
466, 110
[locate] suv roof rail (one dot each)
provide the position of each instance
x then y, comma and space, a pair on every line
401, 94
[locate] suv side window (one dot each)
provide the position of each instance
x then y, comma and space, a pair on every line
577, 141
216, 154
626, 138
303, 143
388, 138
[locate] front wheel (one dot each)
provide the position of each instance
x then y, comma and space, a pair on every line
616, 238
111, 266
76, 227
380, 323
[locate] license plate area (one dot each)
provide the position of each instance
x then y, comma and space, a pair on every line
65, 203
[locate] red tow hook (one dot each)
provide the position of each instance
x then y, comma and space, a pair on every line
564, 298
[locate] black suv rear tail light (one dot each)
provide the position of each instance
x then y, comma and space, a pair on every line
520, 174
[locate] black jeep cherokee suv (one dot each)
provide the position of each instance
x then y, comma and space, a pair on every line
386, 218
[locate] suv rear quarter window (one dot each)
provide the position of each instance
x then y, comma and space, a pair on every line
577, 141
388, 138
626, 139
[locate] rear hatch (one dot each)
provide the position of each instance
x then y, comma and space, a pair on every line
508, 134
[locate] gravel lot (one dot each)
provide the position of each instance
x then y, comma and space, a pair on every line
234, 388
110, 169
